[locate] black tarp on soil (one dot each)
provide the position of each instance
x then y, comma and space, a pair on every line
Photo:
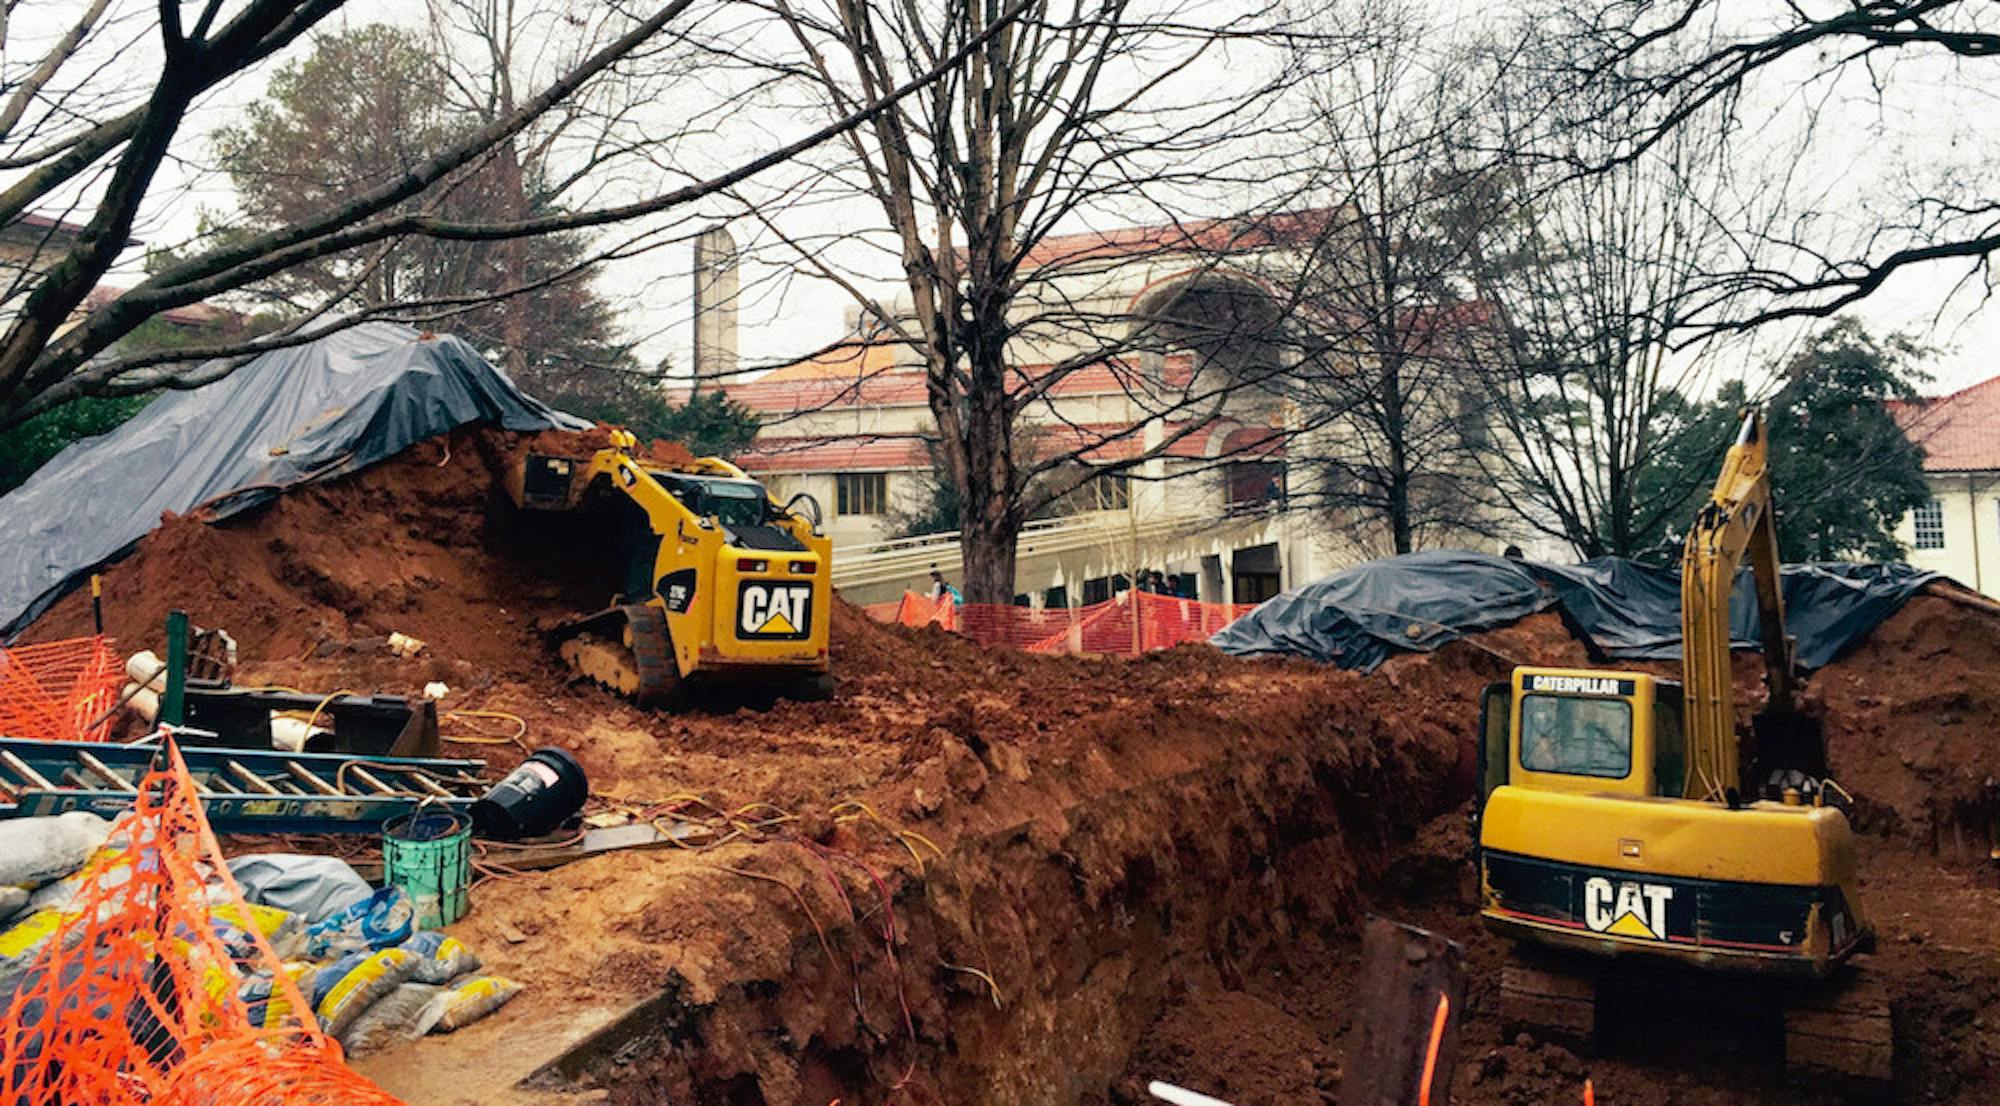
1362, 616
310, 412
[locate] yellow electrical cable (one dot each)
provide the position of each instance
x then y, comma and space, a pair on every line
901, 835
927, 842
330, 697
520, 723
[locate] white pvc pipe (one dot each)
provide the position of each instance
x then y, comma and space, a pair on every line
1181, 1096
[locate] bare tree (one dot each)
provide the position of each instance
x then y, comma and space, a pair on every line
93, 138
1386, 317
1916, 69
1107, 112
1589, 278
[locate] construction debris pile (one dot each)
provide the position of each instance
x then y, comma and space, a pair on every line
981, 875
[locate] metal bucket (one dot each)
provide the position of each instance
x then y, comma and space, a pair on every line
428, 853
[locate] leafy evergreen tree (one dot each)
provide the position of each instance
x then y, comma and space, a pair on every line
1844, 473
359, 111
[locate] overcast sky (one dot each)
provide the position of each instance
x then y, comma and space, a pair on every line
1933, 111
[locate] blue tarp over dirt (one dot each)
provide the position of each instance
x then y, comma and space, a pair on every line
311, 412
1362, 616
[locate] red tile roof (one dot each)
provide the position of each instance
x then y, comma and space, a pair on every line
190, 315
785, 391
1959, 432
1233, 235
815, 454
1094, 443
50, 227
852, 358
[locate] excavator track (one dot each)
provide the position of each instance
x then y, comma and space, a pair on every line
625, 649
1844, 1035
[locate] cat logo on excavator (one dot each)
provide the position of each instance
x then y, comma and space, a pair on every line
1629, 909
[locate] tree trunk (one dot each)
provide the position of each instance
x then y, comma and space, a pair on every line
1394, 429
989, 562
990, 513
514, 261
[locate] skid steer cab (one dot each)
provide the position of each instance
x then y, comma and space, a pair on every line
1592, 837
718, 583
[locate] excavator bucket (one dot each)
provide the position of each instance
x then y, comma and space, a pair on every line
545, 482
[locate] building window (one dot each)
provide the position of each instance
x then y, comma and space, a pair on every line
1254, 483
1929, 520
1102, 588
861, 493
1111, 491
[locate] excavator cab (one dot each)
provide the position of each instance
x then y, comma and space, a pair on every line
1583, 729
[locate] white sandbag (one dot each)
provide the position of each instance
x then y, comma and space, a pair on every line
35, 851
460, 1005
313, 887
144, 702
392, 1017
147, 669
290, 734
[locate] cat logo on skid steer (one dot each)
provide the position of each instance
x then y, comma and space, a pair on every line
1626, 908
774, 611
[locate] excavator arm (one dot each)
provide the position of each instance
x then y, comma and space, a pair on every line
1734, 522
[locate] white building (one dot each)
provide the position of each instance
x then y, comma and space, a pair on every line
1209, 499
1958, 532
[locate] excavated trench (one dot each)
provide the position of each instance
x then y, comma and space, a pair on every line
1028, 962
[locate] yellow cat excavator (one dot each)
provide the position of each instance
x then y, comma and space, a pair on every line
1618, 851
717, 582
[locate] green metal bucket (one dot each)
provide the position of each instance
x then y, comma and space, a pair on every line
428, 853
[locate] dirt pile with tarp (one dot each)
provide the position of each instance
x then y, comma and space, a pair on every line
289, 417
973, 874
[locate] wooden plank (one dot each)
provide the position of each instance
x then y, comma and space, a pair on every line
1411, 1002
425, 782
369, 778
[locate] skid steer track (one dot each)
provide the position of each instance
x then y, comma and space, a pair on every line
625, 649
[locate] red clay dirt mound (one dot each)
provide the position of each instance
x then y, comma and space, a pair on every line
404, 546
1913, 723
424, 544
1237, 1047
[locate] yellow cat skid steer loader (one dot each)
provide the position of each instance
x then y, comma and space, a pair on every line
1618, 851
720, 584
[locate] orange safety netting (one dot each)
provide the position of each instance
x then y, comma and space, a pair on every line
1134, 622
140, 995
60, 690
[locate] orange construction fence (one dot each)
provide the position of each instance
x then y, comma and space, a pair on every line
60, 690
150, 988
1131, 623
